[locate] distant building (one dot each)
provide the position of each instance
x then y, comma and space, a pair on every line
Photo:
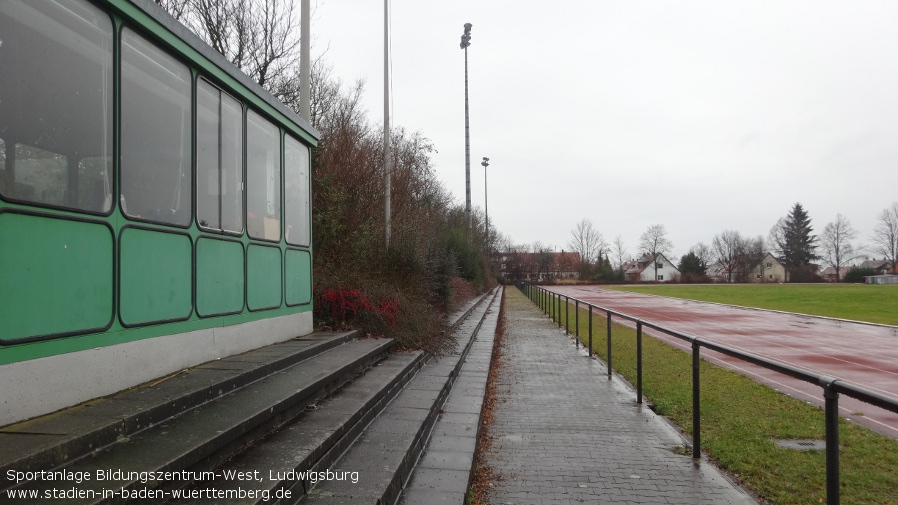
768, 269
829, 273
881, 267
643, 269
539, 266
881, 279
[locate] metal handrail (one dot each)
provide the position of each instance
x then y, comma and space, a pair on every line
550, 303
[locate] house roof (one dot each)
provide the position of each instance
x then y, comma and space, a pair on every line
875, 264
632, 267
832, 271
638, 265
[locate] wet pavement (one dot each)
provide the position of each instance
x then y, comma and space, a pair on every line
563, 434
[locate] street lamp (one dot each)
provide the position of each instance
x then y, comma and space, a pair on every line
465, 42
486, 205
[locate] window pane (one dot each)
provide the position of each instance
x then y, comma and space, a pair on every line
56, 103
231, 164
296, 192
156, 182
219, 169
40, 176
207, 156
263, 178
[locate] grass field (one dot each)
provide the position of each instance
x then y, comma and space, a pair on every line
860, 302
740, 419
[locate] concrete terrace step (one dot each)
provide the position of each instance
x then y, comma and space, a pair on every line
279, 464
49, 441
386, 452
444, 472
199, 439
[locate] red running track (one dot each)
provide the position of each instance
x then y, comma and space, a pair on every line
863, 354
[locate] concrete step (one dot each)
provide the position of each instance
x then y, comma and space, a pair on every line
200, 439
386, 452
445, 469
279, 465
50, 441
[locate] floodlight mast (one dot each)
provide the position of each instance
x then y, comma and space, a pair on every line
486, 205
387, 154
465, 42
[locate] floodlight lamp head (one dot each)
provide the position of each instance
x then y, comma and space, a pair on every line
466, 37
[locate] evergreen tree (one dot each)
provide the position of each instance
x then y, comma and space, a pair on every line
691, 264
793, 239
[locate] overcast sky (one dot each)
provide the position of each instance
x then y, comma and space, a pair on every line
701, 116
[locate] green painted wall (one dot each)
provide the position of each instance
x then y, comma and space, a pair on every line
219, 277
56, 276
156, 277
298, 277
121, 273
263, 277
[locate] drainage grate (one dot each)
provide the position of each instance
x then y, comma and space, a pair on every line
801, 445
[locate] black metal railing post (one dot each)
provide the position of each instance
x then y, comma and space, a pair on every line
567, 308
608, 314
639, 362
831, 400
696, 402
552, 305
589, 308
559, 310
577, 322
555, 306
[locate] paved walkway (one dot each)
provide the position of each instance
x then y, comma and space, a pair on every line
564, 434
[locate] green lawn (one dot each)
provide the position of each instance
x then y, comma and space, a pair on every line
740, 419
860, 302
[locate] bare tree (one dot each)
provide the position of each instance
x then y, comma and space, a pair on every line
503, 242
176, 8
542, 259
754, 252
729, 247
836, 244
620, 252
260, 37
653, 242
704, 253
885, 234
587, 241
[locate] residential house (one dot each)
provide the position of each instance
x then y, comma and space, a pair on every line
643, 269
881, 267
768, 269
718, 272
829, 273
